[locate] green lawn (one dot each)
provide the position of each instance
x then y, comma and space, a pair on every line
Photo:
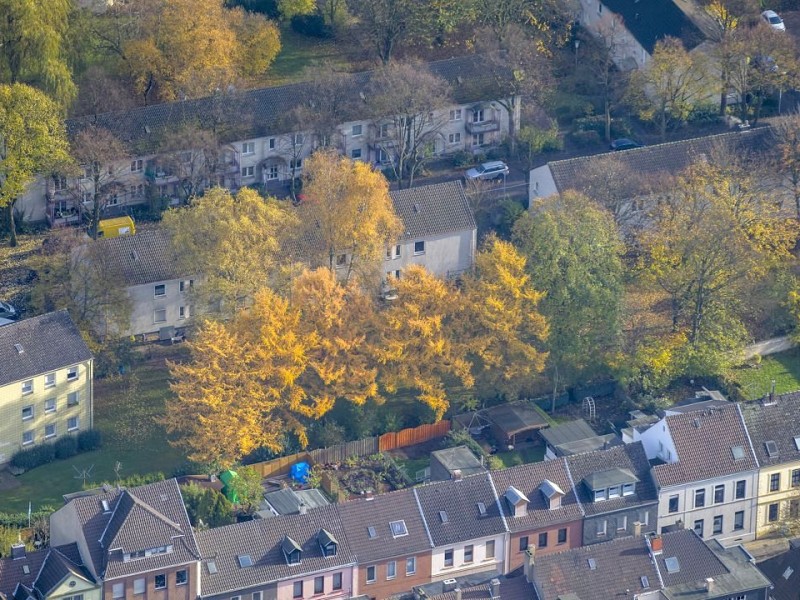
412, 465
520, 457
783, 367
298, 52
125, 414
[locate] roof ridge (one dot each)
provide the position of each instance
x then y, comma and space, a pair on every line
747, 434
424, 520
572, 485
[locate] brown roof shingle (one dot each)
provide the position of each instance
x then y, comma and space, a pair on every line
704, 444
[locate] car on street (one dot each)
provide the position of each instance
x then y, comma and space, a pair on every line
487, 171
624, 144
7, 311
773, 20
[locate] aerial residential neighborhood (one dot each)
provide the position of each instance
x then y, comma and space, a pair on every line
382, 299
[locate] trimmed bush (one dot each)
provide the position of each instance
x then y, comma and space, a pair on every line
66, 447
30, 458
89, 440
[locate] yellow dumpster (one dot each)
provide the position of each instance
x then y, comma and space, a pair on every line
116, 227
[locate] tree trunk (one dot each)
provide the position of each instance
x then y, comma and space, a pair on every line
95, 216
607, 107
512, 124
12, 227
555, 390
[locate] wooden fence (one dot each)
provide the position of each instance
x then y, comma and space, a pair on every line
365, 447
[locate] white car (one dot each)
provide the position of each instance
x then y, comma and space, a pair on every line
773, 20
495, 169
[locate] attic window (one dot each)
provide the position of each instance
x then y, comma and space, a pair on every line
481, 509
398, 528
797, 442
105, 505
19, 348
371, 532
27, 570
788, 573
645, 582
772, 448
245, 560
738, 452
292, 551
443, 517
592, 564
327, 543
672, 564
212, 567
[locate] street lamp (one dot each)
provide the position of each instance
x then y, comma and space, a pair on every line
577, 44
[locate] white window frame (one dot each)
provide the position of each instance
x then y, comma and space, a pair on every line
72, 374
50, 406
455, 114
48, 436
182, 313
271, 172
357, 131
163, 293
248, 148
419, 252
391, 569
185, 577
137, 590
155, 585
248, 171
478, 140
478, 115
76, 426
50, 380
374, 577
77, 398
490, 544
602, 528
118, 590
32, 412
29, 441
355, 153
137, 165
156, 314
412, 562
454, 138
27, 387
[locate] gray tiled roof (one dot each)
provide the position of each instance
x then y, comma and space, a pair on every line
164, 504
783, 571
671, 157
261, 539
527, 479
256, 113
60, 563
703, 443
620, 566
695, 559
777, 423
49, 342
514, 588
649, 22
459, 501
359, 515
459, 458
433, 209
630, 457
571, 431
146, 257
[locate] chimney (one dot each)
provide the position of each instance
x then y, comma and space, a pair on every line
17, 550
637, 529
709, 584
458, 593
656, 544
530, 561
456, 476
302, 508
772, 392
494, 589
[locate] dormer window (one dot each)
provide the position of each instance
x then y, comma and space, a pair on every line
610, 484
517, 501
600, 495
327, 543
128, 556
292, 551
552, 494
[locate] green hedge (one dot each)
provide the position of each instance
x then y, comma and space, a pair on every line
64, 447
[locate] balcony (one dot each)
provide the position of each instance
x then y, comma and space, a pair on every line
228, 166
159, 175
483, 126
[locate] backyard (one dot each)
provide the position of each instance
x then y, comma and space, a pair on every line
125, 409
755, 381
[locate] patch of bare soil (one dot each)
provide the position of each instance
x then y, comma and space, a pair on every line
8, 481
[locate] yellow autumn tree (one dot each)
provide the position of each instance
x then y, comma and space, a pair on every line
234, 241
347, 218
271, 370
417, 349
192, 48
502, 325
711, 240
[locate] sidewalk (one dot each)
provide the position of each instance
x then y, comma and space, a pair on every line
770, 346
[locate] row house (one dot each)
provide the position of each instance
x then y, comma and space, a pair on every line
257, 143
45, 382
707, 476
57, 573
282, 558
674, 565
138, 543
439, 234
615, 491
774, 430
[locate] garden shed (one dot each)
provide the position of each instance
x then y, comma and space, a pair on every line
575, 437
454, 463
514, 421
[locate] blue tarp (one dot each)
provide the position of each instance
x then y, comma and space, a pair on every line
299, 472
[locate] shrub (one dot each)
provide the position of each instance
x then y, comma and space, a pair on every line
30, 458
462, 159
585, 138
704, 113
66, 447
206, 505
21, 519
461, 437
89, 440
311, 25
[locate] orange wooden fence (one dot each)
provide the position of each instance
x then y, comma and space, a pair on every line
365, 447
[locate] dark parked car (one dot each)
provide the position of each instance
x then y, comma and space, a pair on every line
7, 311
624, 144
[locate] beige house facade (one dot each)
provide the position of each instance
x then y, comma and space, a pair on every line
45, 382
